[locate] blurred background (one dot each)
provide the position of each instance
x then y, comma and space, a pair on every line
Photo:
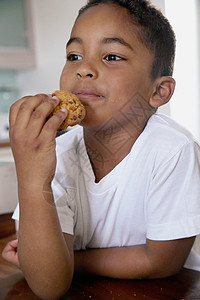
33, 35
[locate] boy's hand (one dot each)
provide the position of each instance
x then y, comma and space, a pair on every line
33, 138
10, 253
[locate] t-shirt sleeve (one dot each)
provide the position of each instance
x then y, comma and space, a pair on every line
15, 215
173, 201
64, 205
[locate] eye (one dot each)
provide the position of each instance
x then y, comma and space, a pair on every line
113, 57
73, 57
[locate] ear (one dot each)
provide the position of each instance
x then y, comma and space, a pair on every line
163, 91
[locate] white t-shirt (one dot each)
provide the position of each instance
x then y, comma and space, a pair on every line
154, 192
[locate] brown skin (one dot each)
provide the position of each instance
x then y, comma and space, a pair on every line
107, 65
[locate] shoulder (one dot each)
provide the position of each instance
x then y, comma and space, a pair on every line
165, 132
161, 123
165, 140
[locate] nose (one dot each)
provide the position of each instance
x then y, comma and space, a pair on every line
87, 70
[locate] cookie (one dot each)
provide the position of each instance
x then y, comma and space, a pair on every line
76, 110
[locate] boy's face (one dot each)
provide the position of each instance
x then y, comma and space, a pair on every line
107, 65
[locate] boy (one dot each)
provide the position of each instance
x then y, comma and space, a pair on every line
126, 184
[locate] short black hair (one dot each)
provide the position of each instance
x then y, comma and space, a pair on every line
155, 30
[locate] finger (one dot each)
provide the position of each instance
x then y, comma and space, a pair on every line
10, 246
14, 243
51, 127
10, 254
11, 257
28, 108
22, 110
14, 111
40, 114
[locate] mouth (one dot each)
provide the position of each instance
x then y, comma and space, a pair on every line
84, 94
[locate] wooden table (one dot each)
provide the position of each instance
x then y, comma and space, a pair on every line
183, 286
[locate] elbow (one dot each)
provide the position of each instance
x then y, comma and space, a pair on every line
56, 295
50, 286
52, 292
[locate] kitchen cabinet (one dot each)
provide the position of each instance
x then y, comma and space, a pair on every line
8, 181
16, 34
8, 188
6, 156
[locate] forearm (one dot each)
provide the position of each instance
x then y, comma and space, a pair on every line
42, 248
114, 262
155, 259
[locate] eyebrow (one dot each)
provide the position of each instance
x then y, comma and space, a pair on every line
108, 40
112, 40
74, 40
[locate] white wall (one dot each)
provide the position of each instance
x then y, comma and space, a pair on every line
53, 21
159, 4
185, 106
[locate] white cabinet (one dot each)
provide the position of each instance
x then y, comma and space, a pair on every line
16, 34
6, 156
8, 188
8, 182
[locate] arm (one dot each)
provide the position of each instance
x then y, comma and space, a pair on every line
156, 259
45, 257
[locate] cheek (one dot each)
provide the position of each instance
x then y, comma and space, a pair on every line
65, 79
132, 83
123, 87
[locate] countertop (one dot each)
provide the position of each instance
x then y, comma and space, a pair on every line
4, 144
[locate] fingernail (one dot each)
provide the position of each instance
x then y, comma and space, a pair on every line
56, 98
64, 110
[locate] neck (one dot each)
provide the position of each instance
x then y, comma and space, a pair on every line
108, 145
